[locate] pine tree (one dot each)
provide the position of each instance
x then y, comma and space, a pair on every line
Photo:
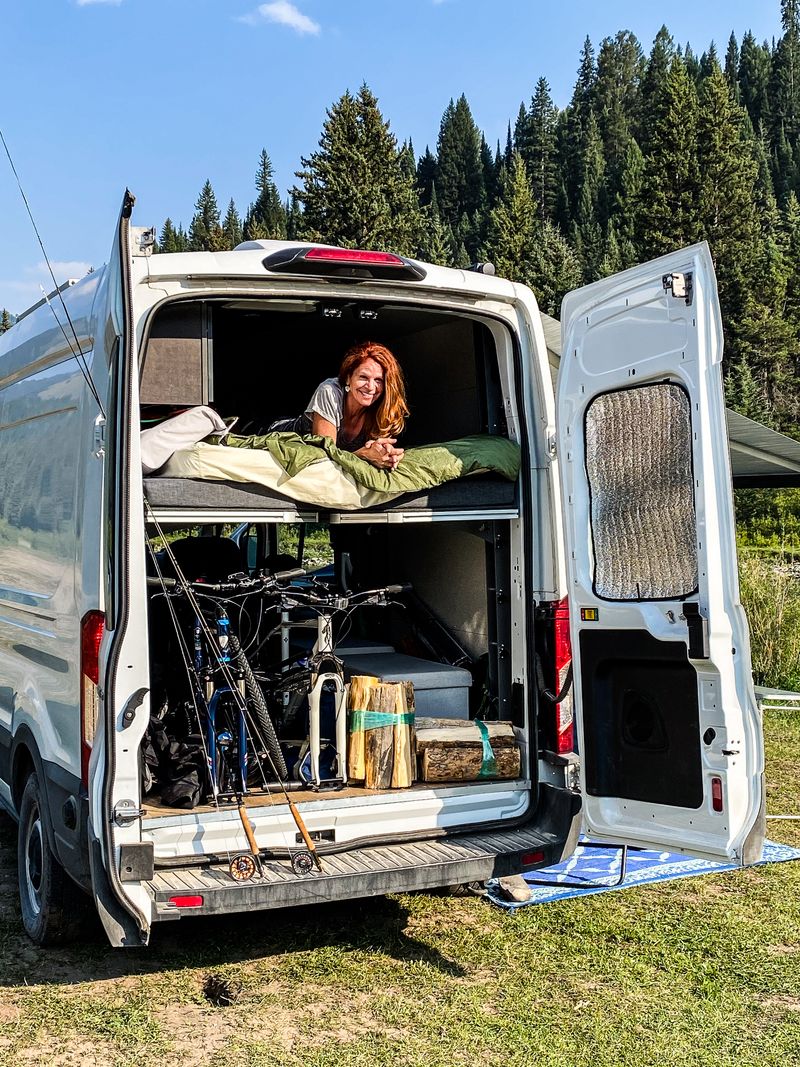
459, 173
668, 215
166, 241
460, 257
172, 240
745, 394
232, 226
611, 262
626, 208
407, 160
6, 321
435, 243
491, 173
755, 66
790, 243
590, 216
692, 64
524, 248
785, 75
654, 83
513, 224
294, 218
572, 132
708, 62
426, 176
783, 166
354, 191
765, 188
726, 206
266, 218
509, 149
522, 134
617, 97
732, 68
555, 269
541, 162
205, 231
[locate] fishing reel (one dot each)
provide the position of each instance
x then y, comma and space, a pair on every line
242, 868
302, 863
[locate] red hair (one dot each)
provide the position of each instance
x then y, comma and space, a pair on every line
387, 416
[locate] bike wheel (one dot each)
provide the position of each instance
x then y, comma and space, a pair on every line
264, 727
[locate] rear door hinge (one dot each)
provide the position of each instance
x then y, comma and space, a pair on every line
99, 439
680, 285
143, 239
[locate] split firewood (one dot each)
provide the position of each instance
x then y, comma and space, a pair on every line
379, 740
358, 701
404, 746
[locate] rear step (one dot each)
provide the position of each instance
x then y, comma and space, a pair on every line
360, 873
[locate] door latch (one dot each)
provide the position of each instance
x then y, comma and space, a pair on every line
698, 631
680, 285
126, 812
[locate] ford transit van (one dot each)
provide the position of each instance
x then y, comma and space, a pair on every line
588, 603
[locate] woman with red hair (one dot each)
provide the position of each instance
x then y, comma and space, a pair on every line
363, 409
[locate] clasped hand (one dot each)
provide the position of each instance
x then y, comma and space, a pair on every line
382, 453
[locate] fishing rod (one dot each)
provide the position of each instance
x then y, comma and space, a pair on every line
301, 866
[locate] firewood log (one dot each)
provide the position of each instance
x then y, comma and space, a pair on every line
404, 747
357, 703
379, 739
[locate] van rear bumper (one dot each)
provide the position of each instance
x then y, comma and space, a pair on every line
365, 872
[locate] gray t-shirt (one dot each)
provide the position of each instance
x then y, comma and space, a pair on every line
328, 401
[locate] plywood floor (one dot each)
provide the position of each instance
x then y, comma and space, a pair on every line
154, 808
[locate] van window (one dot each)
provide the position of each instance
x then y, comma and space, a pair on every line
639, 467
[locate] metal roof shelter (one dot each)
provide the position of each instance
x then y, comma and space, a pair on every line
760, 457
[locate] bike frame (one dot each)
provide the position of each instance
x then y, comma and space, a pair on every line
323, 655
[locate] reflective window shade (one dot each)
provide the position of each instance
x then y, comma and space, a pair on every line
639, 466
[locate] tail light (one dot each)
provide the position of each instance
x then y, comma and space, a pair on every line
343, 262
564, 709
716, 794
92, 627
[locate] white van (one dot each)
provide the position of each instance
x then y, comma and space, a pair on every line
622, 508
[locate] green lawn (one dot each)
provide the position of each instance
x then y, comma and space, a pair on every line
699, 971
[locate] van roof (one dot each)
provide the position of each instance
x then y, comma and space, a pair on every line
248, 260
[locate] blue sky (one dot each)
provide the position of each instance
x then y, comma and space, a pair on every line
159, 95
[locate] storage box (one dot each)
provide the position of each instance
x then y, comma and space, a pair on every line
439, 689
466, 752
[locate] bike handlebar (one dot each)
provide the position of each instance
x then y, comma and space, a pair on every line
270, 583
396, 590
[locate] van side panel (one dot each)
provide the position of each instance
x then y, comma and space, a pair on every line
48, 568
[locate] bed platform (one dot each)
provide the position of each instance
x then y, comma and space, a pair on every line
180, 499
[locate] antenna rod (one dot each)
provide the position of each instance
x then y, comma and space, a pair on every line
77, 351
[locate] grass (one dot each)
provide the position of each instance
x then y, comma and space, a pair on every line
703, 971
770, 593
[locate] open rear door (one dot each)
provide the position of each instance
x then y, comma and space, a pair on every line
114, 786
670, 734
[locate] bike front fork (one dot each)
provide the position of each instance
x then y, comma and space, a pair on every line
336, 682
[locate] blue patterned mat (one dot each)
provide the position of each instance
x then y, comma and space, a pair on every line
597, 869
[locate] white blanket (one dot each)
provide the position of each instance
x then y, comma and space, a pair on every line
159, 442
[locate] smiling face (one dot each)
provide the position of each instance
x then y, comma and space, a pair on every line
366, 383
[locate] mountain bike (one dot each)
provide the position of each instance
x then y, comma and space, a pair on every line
322, 675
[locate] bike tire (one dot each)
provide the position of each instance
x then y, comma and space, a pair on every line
256, 700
